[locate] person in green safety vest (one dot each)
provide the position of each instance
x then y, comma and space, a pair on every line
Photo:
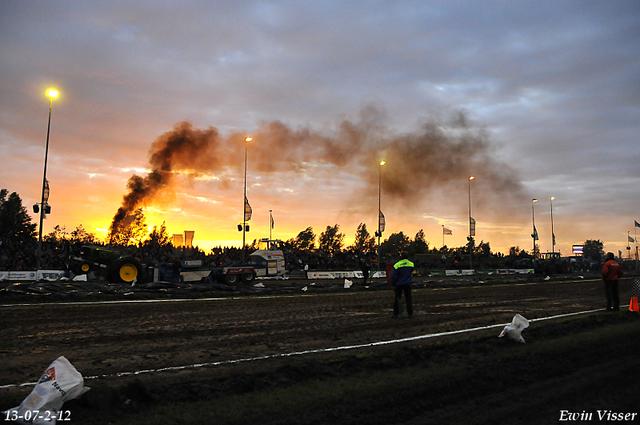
401, 282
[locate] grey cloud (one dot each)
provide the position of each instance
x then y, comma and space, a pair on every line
555, 83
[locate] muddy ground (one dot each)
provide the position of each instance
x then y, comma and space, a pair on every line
109, 337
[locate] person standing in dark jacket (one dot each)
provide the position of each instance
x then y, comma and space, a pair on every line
365, 271
611, 273
401, 281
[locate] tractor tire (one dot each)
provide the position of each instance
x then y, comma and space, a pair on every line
231, 279
126, 270
81, 268
248, 277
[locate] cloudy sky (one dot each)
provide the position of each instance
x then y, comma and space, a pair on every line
534, 98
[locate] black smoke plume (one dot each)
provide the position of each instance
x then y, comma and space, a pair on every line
437, 156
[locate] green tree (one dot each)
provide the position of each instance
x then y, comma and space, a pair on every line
121, 236
364, 242
483, 249
159, 237
15, 222
396, 243
331, 240
132, 229
139, 228
82, 236
255, 245
306, 240
593, 249
58, 234
536, 251
419, 245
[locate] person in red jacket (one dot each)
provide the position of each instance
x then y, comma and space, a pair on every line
611, 273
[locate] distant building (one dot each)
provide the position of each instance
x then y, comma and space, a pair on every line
183, 241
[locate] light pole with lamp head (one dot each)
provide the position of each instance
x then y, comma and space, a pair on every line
553, 235
471, 228
534, 235
380, 229
52, 94
244, 201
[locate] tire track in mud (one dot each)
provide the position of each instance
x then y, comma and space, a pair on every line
100, 339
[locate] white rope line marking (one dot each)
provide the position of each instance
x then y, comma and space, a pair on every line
301, 353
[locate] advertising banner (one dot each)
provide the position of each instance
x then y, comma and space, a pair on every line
51, 275
19, 275
357, 274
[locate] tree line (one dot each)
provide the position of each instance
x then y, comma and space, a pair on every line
18, 242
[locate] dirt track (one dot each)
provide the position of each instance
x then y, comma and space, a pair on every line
104, 339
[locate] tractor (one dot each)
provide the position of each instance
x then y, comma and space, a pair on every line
109, 264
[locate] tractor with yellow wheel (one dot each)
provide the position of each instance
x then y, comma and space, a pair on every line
107, 263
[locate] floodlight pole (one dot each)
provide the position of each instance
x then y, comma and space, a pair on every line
533, 235
52, 94
470, 235
553, 235
244, 202
379, 233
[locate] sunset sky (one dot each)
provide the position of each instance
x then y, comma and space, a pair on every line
534, 98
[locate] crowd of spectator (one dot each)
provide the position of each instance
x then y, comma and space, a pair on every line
16, 256
56, 255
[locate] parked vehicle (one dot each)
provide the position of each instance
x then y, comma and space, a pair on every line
114, 267
267, 262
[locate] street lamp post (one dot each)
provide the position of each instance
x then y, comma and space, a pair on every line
471, 230
534, 235
244, 201
553, 235
52, 94
380, 229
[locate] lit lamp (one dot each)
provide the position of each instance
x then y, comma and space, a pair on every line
44, 206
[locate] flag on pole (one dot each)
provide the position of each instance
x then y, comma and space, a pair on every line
446, 231
381, 222
46, 191
554, 238
472, 226
636, 223
631, 239
273, 223
535, 234
247, 210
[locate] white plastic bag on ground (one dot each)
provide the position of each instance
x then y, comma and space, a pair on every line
347, 284
515, 328
59, 383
